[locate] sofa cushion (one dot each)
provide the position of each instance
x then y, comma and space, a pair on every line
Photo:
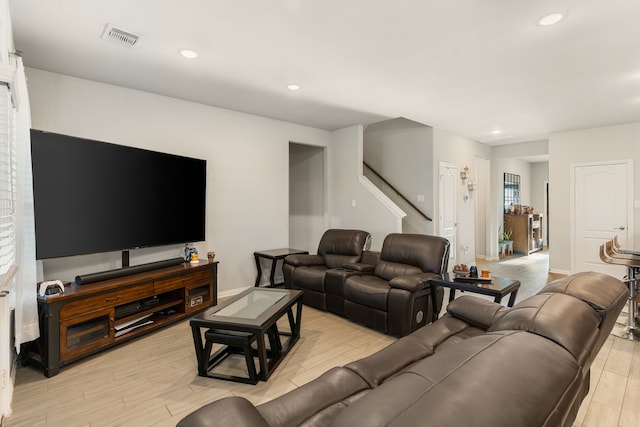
387, 362
565, 320
370, 291
335, 388
388, 270
311, 277
344, 242
425, 252
607, 295
483, 381
599, 290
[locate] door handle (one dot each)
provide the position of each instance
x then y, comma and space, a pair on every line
622, 227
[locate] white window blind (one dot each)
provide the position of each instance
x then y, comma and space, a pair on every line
7, 184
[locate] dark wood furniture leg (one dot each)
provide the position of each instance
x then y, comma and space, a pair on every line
257, 258
262, 357
512, 298
197, 343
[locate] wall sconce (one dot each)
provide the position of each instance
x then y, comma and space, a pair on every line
471, 185
464, 173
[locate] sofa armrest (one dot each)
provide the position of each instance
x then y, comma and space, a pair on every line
302, 260
230, 411
360, 267
478, 312
412, 282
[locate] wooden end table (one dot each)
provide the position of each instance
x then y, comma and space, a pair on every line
274, 255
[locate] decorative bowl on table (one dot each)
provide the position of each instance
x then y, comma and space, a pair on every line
461, 273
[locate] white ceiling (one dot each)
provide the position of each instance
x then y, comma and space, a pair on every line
468, 66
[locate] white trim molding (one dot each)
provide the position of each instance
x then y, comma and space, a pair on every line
7, 73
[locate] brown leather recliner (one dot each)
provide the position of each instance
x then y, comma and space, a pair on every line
307, 272
396, 298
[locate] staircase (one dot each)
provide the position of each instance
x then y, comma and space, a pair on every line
416, 220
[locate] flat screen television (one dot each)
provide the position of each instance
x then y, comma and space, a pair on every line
92, 196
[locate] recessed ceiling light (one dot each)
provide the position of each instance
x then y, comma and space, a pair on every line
496, 132
293, 87
552, 18
188, 53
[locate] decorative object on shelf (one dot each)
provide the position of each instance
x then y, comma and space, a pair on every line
473, 271
191, 254
462, 270
464, 173
194, 256
211, 255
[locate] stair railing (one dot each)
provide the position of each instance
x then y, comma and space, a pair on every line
417, 209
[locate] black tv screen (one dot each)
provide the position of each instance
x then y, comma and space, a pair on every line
92, 196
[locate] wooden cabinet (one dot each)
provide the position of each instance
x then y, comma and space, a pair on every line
89, 318
526, 232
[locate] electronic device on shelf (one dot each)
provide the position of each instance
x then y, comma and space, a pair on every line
51, 287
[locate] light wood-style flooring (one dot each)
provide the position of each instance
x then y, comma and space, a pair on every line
152, 380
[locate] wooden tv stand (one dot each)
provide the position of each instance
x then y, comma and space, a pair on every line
87, 319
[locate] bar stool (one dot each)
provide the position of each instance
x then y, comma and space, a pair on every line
632, 261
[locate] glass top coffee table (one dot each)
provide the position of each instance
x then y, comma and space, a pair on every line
242, 320
497, 287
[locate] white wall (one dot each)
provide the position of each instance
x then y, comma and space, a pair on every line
247, 182
307, 211
373, 211
539, 178
482, 196
523, 149
401, 151
459, 151
588, 145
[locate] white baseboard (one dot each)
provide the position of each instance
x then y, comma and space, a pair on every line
556, 271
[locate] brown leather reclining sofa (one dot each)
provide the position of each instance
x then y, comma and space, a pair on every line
481, 364
387, 290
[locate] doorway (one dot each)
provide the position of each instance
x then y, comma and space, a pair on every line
448, 215
307, 196
602, 207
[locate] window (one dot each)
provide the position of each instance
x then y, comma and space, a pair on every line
511, 191
7, 185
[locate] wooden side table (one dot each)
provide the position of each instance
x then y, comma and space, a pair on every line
274, 255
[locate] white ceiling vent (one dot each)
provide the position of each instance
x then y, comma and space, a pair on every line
122, 37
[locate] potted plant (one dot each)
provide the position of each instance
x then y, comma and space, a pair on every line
505, 245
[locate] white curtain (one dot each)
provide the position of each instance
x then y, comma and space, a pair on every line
25, 297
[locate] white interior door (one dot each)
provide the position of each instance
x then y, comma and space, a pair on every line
602, 208
448, 216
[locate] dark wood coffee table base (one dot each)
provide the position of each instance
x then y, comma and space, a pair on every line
238, 335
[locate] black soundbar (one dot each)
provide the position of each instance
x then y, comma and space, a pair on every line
126, 271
